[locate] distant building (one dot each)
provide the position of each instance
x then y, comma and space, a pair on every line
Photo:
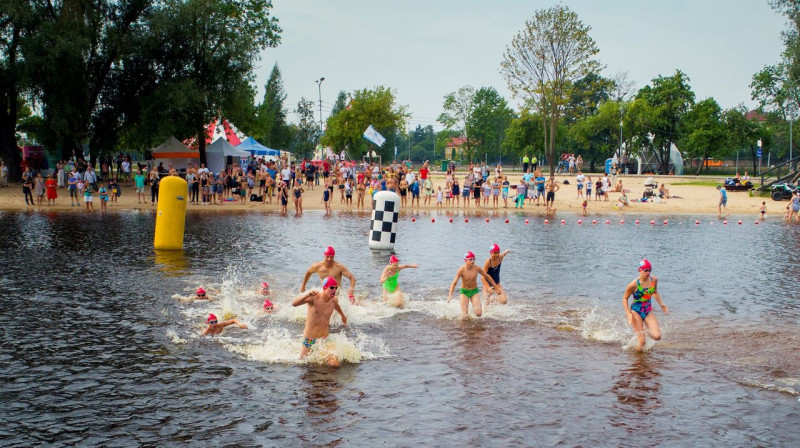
755, 115
455, 148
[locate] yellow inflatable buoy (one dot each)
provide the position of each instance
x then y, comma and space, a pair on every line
171, 213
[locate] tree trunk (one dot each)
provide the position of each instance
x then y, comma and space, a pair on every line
553, 128
700, 168
201, 144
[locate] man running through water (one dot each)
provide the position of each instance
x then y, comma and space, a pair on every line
321, 305
468, 273
331, 268
643, 289
389, 281
492, 267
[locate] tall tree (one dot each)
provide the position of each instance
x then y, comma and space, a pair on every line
704, 132
458, 107
376, 107
208, 49
546, 58
743, 133
586, 95
656, 115
523, 135
306, 132
340, 104
271, 128
488, 122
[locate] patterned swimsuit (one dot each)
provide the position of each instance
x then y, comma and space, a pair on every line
641, 300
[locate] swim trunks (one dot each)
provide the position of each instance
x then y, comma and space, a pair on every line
470, 292
308, 342
390, 285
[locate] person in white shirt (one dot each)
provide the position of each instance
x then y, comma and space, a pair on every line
606, 186
579, 179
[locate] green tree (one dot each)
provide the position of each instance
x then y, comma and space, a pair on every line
376, 107
340, 104
597, 136
546, 58
306, 131
586, 96
743, 133
458, 107
271, 128
523, 135
656, 116
207, 53
704, 133
488, 122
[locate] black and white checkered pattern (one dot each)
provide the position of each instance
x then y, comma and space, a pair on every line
385, 212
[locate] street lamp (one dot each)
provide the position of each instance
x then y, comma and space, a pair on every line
759, 157
319, 85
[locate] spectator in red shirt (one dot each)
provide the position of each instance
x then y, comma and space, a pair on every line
423, 172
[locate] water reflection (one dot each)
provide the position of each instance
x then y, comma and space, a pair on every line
172, 263
638, 391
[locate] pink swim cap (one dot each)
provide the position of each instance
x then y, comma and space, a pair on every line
393, 259
469, 255
211, 317
267, 304
494, 248
329, 251
644, 264
200, 290
330, 281
264, 285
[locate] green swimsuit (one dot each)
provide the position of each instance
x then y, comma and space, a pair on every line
470, 292
390, 285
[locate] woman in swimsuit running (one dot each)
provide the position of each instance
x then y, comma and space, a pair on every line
389, 281
492, 267
643, 289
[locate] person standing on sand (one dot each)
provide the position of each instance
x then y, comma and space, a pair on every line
723, 201
643, 289
51, 185
552, 186
321, 305
468, 273
329, 267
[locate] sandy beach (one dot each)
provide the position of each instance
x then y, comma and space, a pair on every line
685, 200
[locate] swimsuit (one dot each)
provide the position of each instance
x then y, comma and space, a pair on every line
308, 342
390, 285
470, 292
494, 272
641, 300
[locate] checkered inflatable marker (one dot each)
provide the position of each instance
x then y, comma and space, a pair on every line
383, 228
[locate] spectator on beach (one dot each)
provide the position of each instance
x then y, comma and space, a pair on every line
723, 201
38, 188
3, 174
663, 192
52, 190
27, 187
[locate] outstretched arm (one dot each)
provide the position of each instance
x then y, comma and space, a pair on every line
406, 266
339, 310
302, 299
231, 322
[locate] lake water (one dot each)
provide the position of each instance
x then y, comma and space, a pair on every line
100, 342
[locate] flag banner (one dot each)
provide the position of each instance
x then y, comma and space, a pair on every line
374, 136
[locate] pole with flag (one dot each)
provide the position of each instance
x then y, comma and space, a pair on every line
374, 136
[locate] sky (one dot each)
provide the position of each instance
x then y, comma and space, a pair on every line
426, 49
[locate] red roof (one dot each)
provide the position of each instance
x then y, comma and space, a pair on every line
756, 116
456, 142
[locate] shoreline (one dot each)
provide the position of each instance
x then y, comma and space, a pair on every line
695, 200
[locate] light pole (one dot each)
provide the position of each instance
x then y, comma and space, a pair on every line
759, 156
319, 85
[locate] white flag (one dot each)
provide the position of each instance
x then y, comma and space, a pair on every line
374, 136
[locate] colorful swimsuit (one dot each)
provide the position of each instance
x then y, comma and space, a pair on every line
641, 300
390, 285
308, 342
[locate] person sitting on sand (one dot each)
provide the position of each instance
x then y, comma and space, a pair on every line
389, 281
215, 327
321, 305
663, 192
623, 200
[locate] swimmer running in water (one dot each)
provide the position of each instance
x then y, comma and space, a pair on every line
389, 281
643, 289
492, 267
269, 307
329, 267
321, 305
215, 327
468, 273
201, 294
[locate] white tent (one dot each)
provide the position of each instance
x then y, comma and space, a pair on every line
218, 152
172, 151
650, 161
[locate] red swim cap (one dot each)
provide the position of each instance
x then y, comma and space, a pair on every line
267, 304
644, 264
264, 285
211, 317
393, 259
329, 251
469, 255
200, 290
494, 248
330, 281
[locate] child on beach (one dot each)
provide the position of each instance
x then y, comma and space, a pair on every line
103, 196
588, 188
113, 187
215, 327
763, 210
468, 273
521, 190
88, 197
585, 203
389, 281
298, 198
505, 186
598, 188
439, 197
